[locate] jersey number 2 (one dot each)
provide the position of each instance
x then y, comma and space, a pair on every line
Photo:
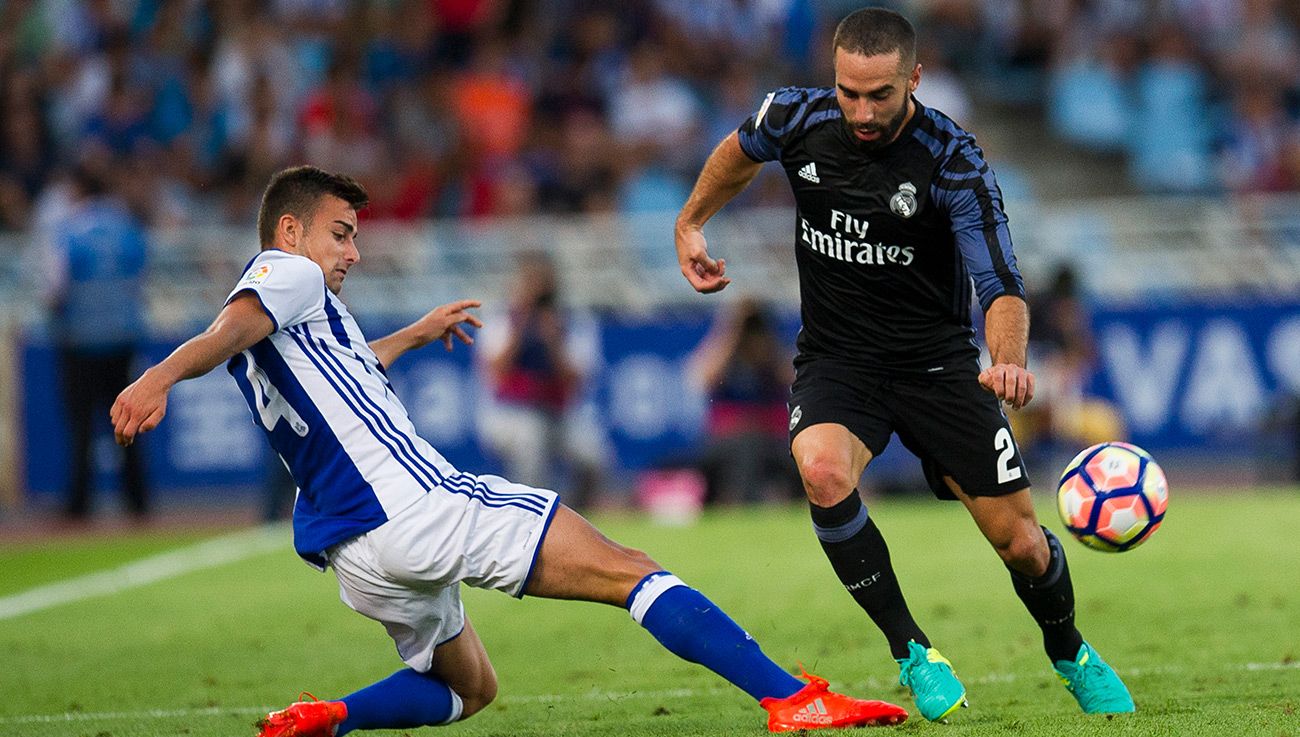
1002, 441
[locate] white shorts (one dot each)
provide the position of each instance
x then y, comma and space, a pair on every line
406, 573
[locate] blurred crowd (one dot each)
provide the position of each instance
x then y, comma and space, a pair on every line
1201, 96
469, 108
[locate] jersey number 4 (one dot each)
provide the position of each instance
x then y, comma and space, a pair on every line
271, 404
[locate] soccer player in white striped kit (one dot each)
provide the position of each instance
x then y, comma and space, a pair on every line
403, 528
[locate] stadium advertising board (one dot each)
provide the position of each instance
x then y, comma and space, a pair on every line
1191, 376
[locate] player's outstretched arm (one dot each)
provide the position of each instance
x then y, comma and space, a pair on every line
142, 405
727, 172
441, 323
1006, 327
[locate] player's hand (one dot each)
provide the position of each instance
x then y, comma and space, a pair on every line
445, 322
1009, 382
704, 274
140, 407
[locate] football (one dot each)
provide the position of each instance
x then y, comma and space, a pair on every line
1112, 497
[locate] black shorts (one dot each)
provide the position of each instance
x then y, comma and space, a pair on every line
947, 420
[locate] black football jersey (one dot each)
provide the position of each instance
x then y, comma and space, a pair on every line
889, 243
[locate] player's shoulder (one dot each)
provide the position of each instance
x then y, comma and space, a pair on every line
787, 109
786, 115
942, 136
275, 255
801, 95
285, 267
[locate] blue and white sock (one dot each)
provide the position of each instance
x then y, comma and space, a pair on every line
695, 629
403, 700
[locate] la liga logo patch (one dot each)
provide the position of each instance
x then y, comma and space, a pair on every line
257, 276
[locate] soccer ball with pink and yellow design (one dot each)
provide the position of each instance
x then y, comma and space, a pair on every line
1112, 497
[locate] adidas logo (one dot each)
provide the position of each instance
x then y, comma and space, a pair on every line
809, 172
814, 713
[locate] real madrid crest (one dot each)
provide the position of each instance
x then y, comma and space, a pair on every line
903, 203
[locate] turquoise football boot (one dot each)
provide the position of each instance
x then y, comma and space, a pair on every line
1094, 684
934, 686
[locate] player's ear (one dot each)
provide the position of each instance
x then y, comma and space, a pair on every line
288, 230
915, 80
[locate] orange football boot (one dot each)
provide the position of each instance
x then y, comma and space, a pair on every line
313, 718
815, 706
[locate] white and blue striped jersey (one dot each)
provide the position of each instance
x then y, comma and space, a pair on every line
318, 391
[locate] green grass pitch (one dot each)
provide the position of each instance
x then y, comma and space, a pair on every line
1203, 622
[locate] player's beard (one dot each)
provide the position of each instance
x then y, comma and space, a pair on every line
887, 131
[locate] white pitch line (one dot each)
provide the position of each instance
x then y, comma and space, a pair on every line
207, 554
1290, 665
214, 711
77, 716
675, 693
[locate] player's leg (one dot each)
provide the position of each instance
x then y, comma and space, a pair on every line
968, 453
1036, 561
577, 562
1041, 578
448, 676
1010, 524
831, 459
464, 665
460, 684
949, 422
837, 424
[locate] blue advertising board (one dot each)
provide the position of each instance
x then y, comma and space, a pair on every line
208, 438
1198, 375
1190, 376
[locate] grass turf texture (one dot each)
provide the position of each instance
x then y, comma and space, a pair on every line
1203, 622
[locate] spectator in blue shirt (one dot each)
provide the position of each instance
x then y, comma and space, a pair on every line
95, 298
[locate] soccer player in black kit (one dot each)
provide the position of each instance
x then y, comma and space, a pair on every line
898, 219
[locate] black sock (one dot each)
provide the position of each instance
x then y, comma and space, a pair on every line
1050, 599
858, 554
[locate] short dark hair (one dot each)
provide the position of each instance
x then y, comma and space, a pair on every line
297, 191
874, 31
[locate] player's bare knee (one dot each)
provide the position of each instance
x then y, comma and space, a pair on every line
636, 565
826, 481
1026, 553
641, 563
